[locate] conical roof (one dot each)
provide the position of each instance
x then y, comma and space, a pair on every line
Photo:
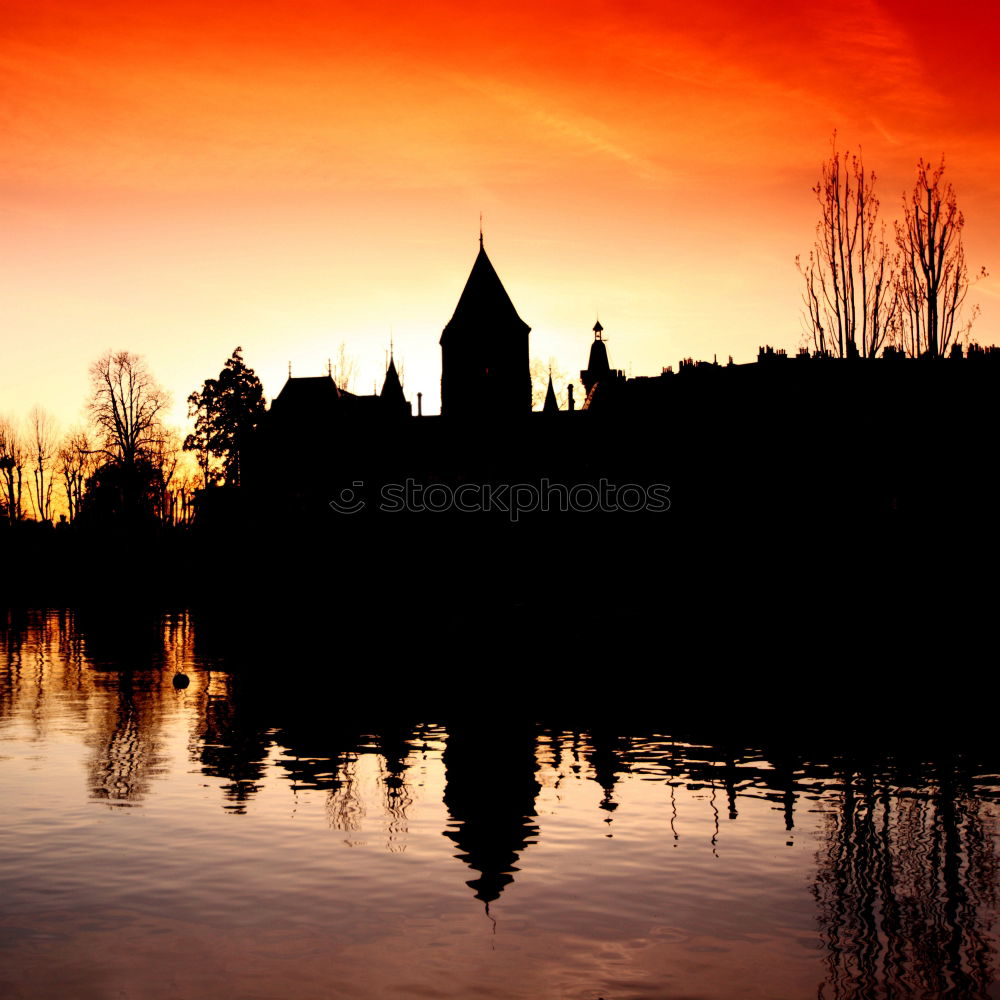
484, 304
551, 405
392, 388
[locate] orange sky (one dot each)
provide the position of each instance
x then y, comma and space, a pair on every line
176, 179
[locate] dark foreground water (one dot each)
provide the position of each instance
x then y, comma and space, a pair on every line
270, 833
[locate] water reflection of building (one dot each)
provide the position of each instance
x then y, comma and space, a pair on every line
320, 753
235, 739
394, 745
490, 796
325, 755
906, 889
608, 757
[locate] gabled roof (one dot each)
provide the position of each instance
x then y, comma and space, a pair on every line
484, 304
308, 392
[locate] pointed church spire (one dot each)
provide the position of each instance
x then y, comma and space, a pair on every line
551, 404
484, 307
392, 388
484, 349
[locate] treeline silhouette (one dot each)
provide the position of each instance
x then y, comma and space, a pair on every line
854, 473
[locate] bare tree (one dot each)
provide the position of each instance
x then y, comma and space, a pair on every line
12, 462
850, 290
76, 464
164, 458
184, 485
126, 406
934, 278
540, 372
42, 444
344, 370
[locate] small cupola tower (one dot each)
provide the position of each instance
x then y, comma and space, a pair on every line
599, 376
598, 367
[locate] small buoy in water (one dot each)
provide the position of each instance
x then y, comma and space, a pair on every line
181, 681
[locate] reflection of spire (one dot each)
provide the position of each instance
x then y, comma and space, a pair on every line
490, 796
785, 766
715, 815
729, 778
395, 749
608, 759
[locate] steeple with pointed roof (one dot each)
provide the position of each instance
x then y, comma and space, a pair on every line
391, 396
598, 365
551, 404
599, 373
484, 350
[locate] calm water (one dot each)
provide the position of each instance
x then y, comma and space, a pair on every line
252, 835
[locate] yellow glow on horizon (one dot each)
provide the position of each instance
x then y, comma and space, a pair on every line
175, 182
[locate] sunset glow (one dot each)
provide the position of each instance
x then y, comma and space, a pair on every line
177, 179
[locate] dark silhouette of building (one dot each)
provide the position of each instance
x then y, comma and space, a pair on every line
551, 404
792, 439
599, 376
484, 350
393, 401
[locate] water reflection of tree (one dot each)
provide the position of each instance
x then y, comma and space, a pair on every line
906, 889
345, 804
126, 742
41, 661
12, 642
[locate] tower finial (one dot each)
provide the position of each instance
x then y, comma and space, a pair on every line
480, 230
289, 369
